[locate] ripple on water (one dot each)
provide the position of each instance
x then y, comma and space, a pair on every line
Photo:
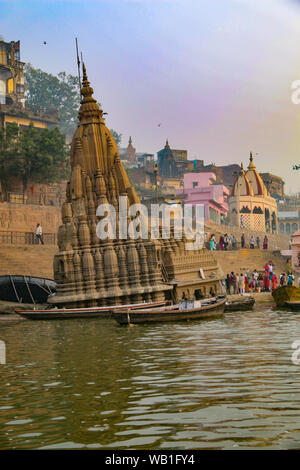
224, 384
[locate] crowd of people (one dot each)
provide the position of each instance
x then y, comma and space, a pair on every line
263, 281
230, 242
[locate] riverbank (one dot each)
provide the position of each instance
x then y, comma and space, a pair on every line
7, 309
260, 297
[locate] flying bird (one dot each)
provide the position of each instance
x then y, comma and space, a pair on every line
44, 42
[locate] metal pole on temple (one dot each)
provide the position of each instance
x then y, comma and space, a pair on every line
155, 173
78, 66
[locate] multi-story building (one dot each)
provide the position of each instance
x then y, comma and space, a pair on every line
12, 91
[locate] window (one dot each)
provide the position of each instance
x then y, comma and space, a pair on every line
245, 210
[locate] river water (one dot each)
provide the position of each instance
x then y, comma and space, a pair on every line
228, 383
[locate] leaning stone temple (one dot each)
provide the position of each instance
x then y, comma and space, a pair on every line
90, 271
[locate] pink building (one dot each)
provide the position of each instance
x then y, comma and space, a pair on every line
200, 188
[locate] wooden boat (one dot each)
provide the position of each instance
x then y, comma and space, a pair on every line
87, 312
293, 305
241, 304
284, 294
185, 310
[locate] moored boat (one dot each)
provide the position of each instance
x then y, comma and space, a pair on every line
293, 305
240, 304
26, 289
185, 310
284, 294
88, 312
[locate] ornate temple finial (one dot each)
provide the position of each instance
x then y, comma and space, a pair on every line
89, 107
167, 144
87, 90
242, 169
251, 164
84, 75
130, 140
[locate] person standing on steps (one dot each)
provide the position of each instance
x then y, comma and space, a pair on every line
228, 284
257, 242
242, 284
39, 234
243, 241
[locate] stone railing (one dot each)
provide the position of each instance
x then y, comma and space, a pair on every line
8, 237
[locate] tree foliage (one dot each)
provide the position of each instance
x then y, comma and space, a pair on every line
46, 92
117, 137
36, 155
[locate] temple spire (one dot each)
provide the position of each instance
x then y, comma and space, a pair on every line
89, 108
251, 164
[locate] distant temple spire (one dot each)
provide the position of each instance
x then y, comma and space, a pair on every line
130, 152
251, 164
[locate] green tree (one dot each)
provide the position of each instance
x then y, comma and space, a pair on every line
36, 155
46, 92
8, 138
117, 137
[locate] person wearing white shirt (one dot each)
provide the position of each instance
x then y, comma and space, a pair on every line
39, 234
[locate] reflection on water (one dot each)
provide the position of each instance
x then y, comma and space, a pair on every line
219, 384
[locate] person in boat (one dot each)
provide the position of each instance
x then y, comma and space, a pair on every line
290, 280
282, 279
265, 243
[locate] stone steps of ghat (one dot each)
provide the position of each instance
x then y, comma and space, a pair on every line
240, 260
36, 260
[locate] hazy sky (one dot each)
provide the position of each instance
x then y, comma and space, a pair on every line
216, 74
